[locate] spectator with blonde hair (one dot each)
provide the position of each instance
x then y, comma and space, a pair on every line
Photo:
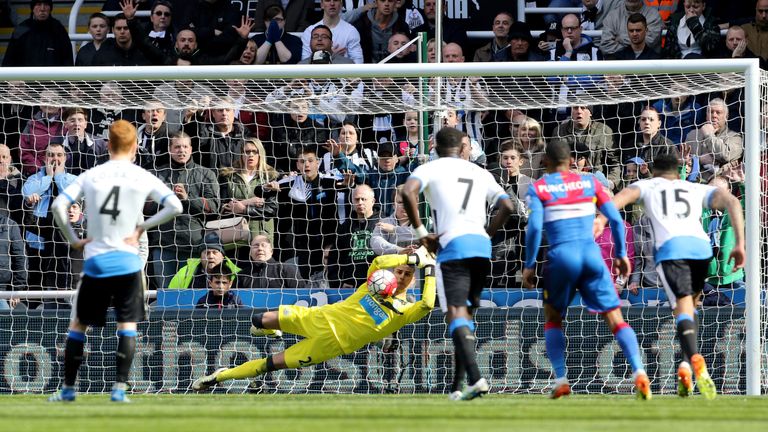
530, 139
242, 193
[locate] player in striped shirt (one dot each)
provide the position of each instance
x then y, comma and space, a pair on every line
563, 203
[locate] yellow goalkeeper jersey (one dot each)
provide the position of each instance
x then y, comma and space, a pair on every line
361, 319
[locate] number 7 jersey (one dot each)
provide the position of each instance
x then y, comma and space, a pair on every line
674, 208
459, 193
114, 193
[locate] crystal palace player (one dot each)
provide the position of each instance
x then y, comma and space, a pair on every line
563, 202
458, 192
115, 193
339, 328
683, 251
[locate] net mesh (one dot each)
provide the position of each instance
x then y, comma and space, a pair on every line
324, 249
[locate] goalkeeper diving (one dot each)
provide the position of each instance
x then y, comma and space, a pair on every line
340, 328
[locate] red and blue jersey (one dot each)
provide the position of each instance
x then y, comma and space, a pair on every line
564, 203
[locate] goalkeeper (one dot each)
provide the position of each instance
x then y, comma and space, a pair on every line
340, 328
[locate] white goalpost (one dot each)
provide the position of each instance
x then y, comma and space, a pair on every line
178, 342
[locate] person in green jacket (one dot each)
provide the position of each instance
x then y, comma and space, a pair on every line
721, 272
195, 273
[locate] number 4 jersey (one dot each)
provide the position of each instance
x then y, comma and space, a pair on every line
114, 195
457, 191
674, 208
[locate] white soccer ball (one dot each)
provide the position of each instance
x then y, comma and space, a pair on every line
382, 283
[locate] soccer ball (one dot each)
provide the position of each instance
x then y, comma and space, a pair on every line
382, 283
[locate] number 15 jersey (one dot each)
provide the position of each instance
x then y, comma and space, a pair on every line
457, 191
114, 193
674, 208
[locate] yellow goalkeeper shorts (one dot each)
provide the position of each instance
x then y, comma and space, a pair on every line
320, 343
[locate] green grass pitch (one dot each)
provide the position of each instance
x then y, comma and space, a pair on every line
364, 413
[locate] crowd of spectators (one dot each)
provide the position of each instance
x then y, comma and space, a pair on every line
318, 190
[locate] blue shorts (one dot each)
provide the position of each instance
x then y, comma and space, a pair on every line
578, 265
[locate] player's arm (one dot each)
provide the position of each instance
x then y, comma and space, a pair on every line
498, 197
411, 190
427, 302
723, 200
627, 196
534, 228
60, 210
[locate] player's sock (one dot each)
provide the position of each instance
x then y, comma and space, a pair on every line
627, 340
459, 372
686, 334
461, 330
126, 348
257, 320
554, 339
73, 356
248, 369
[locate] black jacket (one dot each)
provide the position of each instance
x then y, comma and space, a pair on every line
185, 231
270, 274
39, 43
13, 260
112, 55
207, 17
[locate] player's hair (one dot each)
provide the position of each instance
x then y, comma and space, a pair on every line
558, 152
448, 138
72, 111
221, 270
122, 137
665, 163
637, 17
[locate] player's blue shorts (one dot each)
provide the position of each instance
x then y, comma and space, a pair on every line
578, 265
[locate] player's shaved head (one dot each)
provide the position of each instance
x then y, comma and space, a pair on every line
558, 152
666, 163
448, 141
122, 137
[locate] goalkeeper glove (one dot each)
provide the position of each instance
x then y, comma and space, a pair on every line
273, 33
421, 258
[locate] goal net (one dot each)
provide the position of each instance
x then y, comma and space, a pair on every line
220, 135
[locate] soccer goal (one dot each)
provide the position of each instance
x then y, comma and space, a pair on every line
500, 106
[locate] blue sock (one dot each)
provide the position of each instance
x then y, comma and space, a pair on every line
627, 340
554, 339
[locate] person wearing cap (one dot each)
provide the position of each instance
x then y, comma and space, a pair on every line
195, 273
615, 36
383, 179
512, 42
321, 48
40, 40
